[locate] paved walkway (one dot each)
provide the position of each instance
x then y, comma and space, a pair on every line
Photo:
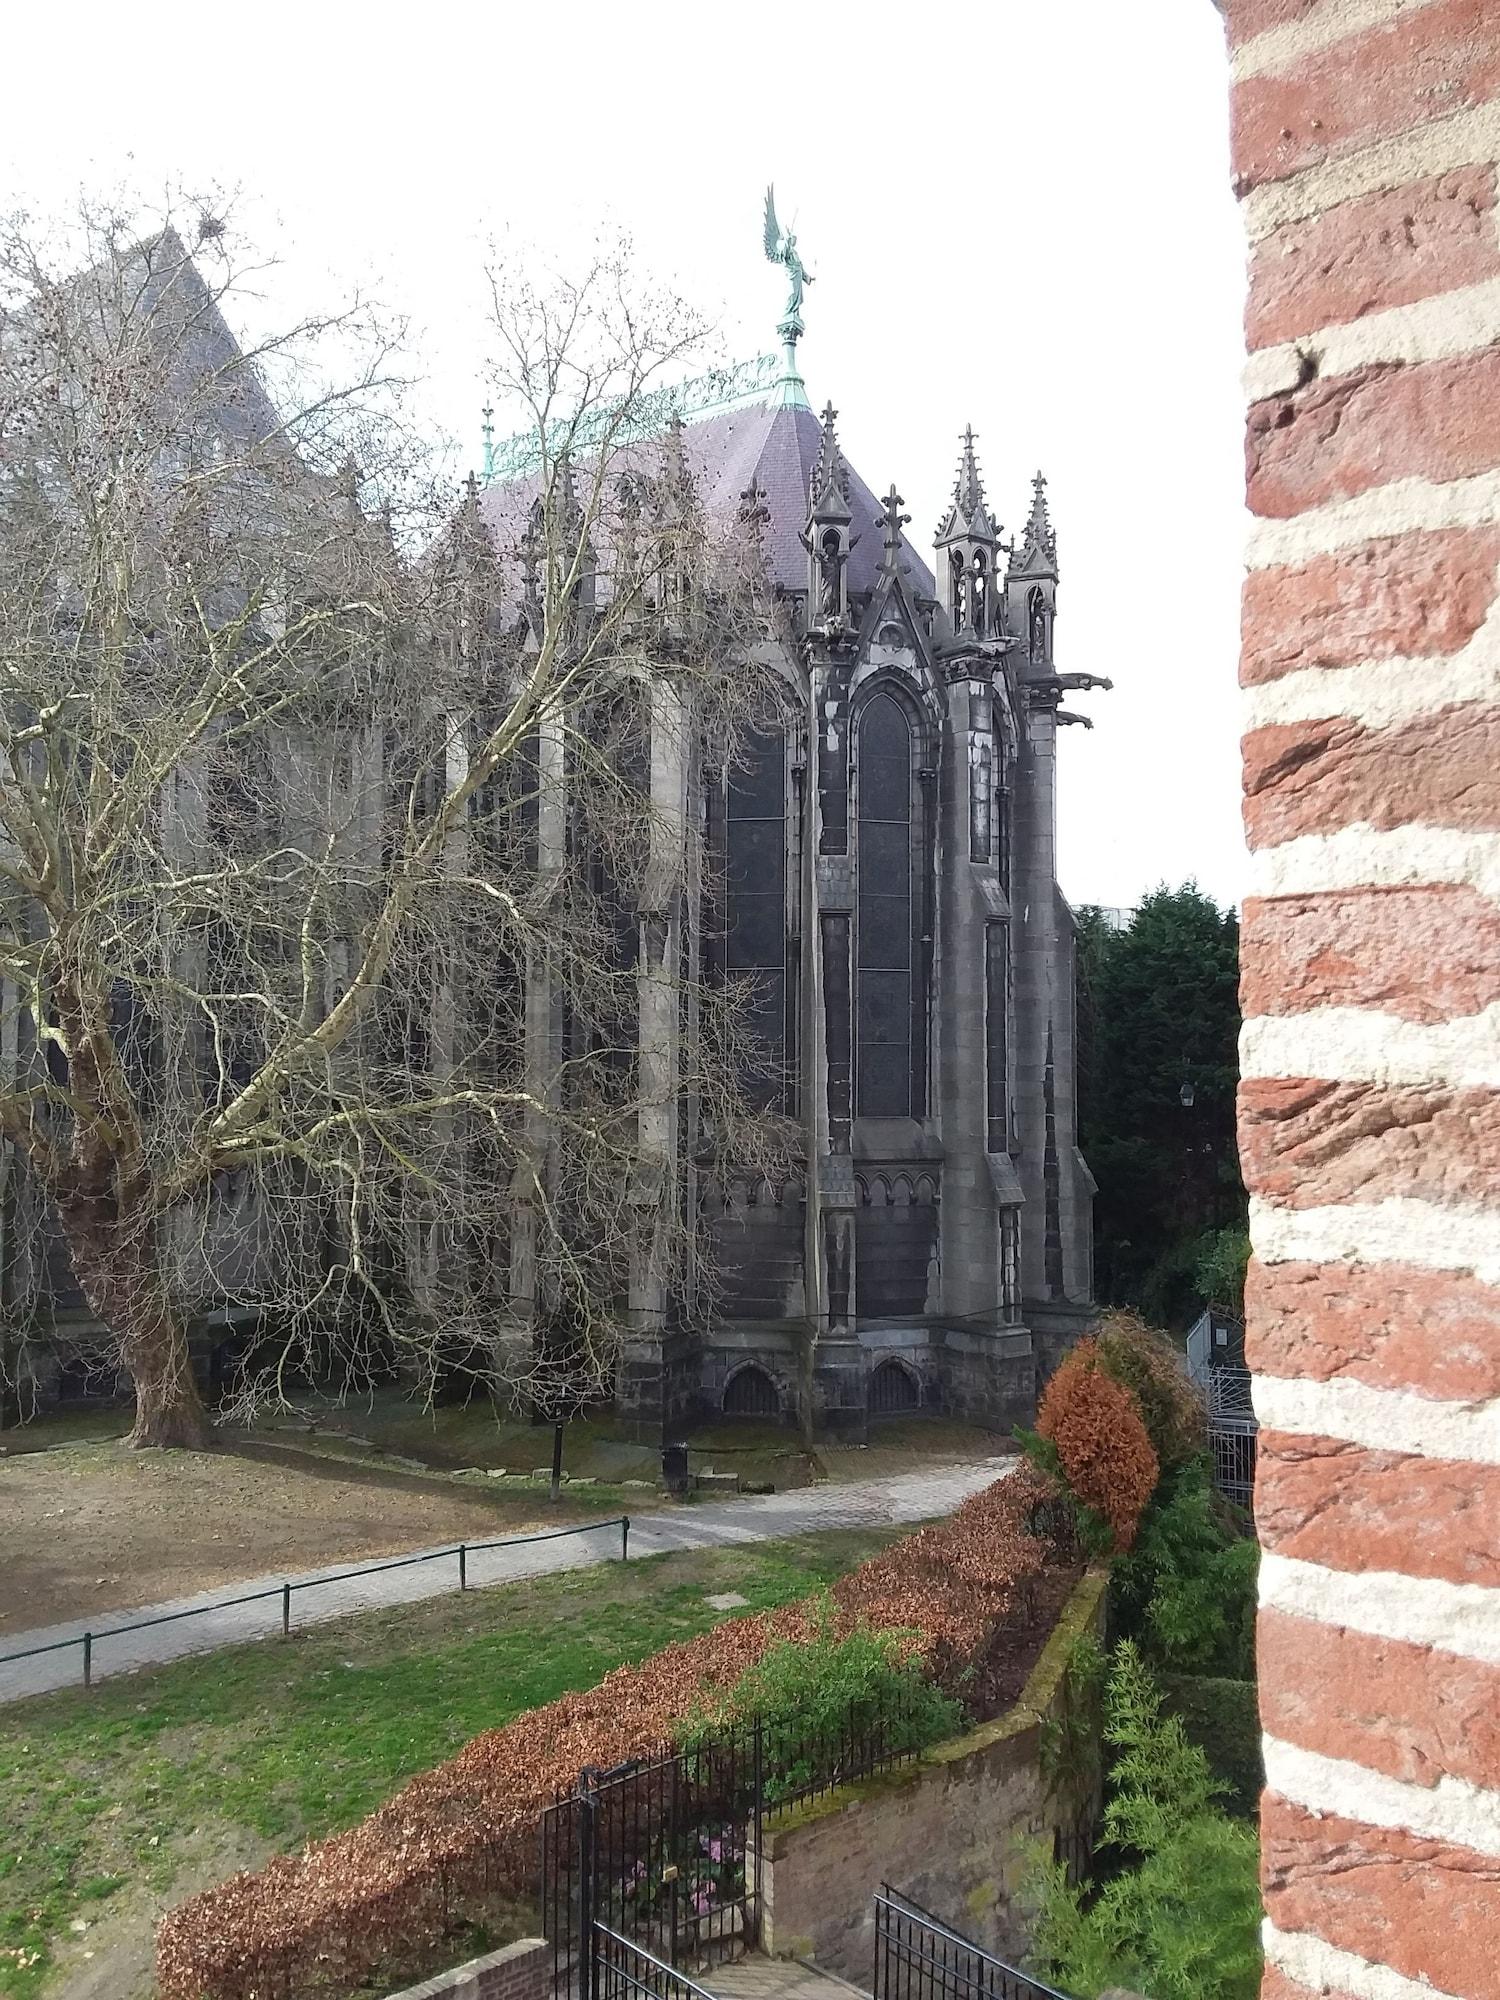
910, 1496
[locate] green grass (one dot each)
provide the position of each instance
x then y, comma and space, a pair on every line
101, 1793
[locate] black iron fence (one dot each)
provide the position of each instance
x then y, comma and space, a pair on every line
919, 1957
666, 1850
87, 1641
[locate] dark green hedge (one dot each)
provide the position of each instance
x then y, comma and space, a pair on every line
1221, 1717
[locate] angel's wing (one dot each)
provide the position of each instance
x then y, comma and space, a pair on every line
773, 227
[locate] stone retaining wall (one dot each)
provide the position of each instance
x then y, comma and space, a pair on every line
956, 1830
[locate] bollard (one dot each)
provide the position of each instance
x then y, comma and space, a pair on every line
463, 1565
88, 1659
286, 1611
624, 1538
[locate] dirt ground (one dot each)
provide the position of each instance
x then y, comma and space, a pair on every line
98, 1528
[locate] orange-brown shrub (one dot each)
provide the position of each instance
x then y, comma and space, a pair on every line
1149, 1363
1101, 1439
459, 1841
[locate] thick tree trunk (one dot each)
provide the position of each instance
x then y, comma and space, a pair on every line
115, 1262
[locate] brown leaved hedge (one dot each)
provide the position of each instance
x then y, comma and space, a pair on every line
459, 1843
1102, 1443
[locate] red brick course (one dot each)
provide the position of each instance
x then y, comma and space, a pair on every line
1425, 954
1426, 64
1405, 596
1382, 250
1443, 769
1305, 1142
1252, 17
1319, 1500
1422, 1907
1331, 440
1393, 1326
1413, 1712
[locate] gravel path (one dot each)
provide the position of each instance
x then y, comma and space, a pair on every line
220, 1621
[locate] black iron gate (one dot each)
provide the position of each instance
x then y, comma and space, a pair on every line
663, 1853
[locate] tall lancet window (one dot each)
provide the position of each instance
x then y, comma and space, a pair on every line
889, 1057
755, 942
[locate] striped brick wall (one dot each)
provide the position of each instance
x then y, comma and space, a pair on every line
1366, 137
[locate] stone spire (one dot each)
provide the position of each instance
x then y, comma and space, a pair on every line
1037, 553
828, 489
968, 515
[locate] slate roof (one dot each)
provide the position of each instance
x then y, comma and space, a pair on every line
774, 445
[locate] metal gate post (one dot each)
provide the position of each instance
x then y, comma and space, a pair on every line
588, 1838
757, 1814
673, 1862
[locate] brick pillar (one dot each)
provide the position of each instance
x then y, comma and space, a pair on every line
1366, 134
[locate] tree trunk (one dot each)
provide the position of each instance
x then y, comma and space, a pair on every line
115, 1263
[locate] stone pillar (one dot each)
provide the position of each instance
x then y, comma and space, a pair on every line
1038, 1002
969, 901
1365, 147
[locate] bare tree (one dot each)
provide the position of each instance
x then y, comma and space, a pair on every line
350, 858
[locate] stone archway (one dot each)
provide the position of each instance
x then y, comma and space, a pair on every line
1366, 135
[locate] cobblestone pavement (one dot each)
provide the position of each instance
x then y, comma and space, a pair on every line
916, 1495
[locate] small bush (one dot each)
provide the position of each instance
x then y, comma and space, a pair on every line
1102, 1445
812, 1695
1147, 1363
1186, 1591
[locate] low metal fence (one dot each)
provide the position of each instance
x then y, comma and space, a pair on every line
919, 1957
87, 1641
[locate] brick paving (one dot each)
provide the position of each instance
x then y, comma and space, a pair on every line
915, 1495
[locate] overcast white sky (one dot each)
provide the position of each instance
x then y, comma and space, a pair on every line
1017, 212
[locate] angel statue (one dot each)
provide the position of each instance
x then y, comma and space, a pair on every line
781, 248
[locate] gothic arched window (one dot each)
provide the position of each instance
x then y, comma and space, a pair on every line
755, 941
980, 592
956, 572
889, 1057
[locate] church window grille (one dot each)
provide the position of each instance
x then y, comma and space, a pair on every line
756, 947
889, 1055
750, 1392
894, 1389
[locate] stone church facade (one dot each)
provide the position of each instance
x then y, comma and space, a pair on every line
888, 855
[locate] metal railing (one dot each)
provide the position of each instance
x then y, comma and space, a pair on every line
621, 1970
462, 1550
919, 1957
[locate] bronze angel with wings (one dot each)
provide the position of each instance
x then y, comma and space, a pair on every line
781, 248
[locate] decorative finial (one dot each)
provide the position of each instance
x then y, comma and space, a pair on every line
968, 491
781, 248
471, 495
1039, 521
487, 432
891, 521
1038, 550
828, 489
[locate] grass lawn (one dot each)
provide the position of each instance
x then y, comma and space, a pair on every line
116, 1803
